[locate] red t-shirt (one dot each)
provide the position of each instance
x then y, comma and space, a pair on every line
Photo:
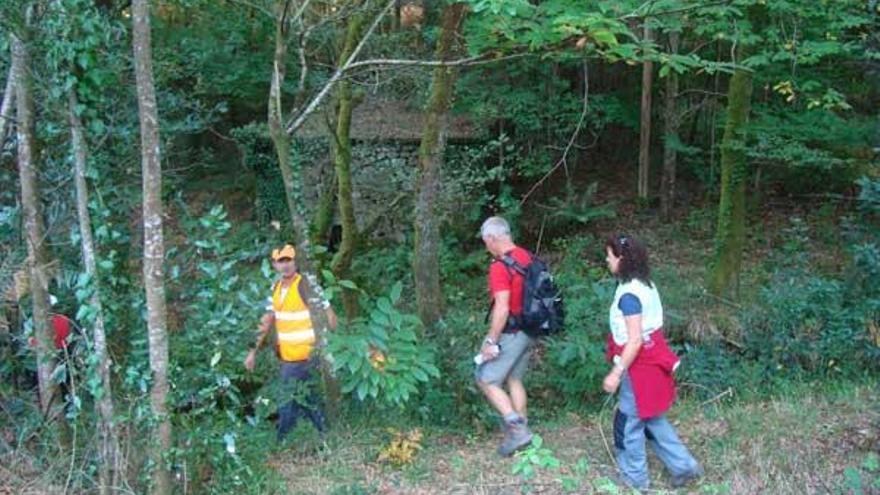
61, 330
502, 278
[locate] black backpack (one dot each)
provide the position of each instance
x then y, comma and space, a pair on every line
543, 312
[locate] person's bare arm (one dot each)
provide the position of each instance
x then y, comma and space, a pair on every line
263, 331
500, 313
630, 351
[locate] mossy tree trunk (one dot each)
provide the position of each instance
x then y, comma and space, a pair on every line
730, 233
426, 262
32, 212
322, 220
283, 144
671, 123
645, 126
345, 103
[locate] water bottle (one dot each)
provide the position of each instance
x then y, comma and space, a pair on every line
478, 359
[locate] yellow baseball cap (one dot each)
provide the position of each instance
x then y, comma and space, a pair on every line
286, 252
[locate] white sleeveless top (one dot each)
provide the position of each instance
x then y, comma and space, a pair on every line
652, 310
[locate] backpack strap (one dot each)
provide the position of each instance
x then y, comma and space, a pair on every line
512, 266
511, 263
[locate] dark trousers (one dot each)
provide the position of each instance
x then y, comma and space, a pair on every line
299, 385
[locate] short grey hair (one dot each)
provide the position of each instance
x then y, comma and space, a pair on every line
495, 227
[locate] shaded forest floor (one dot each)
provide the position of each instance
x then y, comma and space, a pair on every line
804, 441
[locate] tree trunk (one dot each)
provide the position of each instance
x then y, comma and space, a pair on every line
342, 261
154, 248
426, 263
282, 142
730, 234
109, 462
645, 130
322, 220
35, 232
283, 149
8, 101
672, 121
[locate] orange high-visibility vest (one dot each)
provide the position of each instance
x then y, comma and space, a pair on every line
293, 325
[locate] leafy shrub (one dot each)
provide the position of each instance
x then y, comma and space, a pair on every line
710, 368
809, 324
381, 356
210, 391
576, 359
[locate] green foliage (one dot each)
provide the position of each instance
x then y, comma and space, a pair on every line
607, 486
580, 470
711, 368
509, 25
216, 51
222, 304
810, 128
809, 149
805, 324
259, 158
577, 209
380, 356
533, 458
577, 357
869, 196
864, 478
473, 184
716, 488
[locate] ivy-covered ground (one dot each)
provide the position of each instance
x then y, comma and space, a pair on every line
806, 440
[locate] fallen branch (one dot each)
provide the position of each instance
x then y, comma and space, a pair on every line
602, 431
722, 300
732, 342
729, 391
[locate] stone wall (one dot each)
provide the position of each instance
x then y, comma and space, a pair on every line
384, 174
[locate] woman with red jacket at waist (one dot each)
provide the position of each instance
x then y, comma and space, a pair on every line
643, 367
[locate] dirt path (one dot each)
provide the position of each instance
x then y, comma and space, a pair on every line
813, 443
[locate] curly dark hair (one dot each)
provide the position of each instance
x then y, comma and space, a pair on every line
633, 258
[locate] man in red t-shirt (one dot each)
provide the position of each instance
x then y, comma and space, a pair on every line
505, 350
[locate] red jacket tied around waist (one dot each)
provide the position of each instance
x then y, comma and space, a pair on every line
651, 374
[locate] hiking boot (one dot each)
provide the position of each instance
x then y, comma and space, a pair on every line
680, 480
516, 437
505, 426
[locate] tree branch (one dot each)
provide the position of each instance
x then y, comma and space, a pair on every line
425, 63
299, 13
635, 15
577, 130
303, 63
295, 124
254, 6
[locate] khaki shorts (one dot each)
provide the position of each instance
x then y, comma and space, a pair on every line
510, 363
